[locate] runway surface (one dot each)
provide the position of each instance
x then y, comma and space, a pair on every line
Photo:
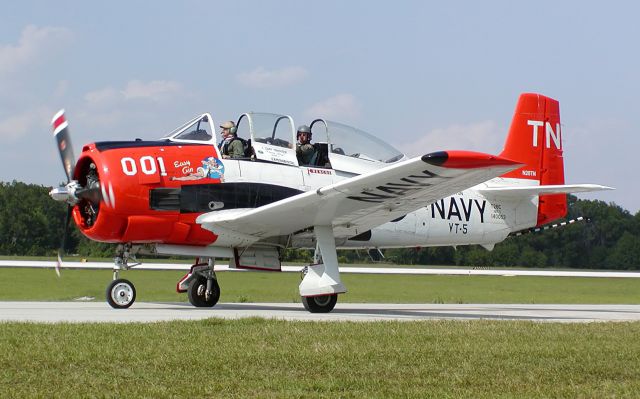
78, 312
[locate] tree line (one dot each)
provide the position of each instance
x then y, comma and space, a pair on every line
32, 224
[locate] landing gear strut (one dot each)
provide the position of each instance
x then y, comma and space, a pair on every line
321, 283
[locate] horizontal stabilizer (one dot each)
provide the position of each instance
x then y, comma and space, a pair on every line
527, 191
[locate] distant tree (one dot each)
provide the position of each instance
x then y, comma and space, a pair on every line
30, 223
626, 253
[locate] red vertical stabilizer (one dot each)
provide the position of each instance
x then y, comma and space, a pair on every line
535, 139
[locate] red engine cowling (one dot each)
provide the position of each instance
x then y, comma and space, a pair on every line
128, 175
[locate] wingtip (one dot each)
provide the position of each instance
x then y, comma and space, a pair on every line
466, 160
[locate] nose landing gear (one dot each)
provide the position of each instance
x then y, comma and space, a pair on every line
121, 293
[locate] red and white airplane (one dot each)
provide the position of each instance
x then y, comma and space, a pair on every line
177, 195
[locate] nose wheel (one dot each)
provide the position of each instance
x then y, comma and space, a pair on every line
121, 294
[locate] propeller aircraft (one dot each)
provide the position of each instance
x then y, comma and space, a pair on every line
178, 195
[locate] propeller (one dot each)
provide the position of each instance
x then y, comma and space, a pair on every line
73, 193
65, 148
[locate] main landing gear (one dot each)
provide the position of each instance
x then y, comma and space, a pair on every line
321, 282
201, 285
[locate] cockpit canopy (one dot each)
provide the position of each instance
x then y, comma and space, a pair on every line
273, 138
198, 130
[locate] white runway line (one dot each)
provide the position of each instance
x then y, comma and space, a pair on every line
83, 312
343, 269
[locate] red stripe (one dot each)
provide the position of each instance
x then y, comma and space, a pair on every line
59, 121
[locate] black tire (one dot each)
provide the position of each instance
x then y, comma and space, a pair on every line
121, 294
196, 293
320, 304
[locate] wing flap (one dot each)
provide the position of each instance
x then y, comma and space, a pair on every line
360, 203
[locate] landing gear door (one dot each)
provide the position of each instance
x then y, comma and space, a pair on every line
272, 137
267, 259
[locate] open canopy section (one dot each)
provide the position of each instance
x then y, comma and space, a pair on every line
272, 136
197, 130
352, 150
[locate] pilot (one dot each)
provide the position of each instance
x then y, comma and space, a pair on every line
304, 148
231, 146
226, 127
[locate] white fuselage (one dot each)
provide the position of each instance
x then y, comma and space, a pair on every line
465, 218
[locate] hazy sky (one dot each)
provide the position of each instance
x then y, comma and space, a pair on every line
425, 76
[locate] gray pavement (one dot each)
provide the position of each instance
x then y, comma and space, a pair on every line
78, 312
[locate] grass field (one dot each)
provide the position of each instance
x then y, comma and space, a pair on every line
43, 285
266, 358
273, 359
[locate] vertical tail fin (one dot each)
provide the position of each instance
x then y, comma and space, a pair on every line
535, 139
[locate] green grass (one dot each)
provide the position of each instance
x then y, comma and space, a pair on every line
269, 359
43, 285
273, 359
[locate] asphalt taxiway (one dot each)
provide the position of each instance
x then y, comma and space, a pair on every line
82, 312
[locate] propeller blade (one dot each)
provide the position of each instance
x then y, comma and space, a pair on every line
58, 265
61, 250
63, 140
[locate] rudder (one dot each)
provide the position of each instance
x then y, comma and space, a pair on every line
535, 139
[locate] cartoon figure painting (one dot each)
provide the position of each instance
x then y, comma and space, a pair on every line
212, 168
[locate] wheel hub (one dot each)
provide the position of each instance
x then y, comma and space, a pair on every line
323, 300
122, 294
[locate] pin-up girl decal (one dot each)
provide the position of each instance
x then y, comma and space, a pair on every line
212, 168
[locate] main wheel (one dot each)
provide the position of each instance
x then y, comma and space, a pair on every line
121, 294
197, 293
320, 304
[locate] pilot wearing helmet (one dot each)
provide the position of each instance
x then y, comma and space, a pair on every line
304, 148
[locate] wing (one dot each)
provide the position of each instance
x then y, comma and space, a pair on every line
358, 204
